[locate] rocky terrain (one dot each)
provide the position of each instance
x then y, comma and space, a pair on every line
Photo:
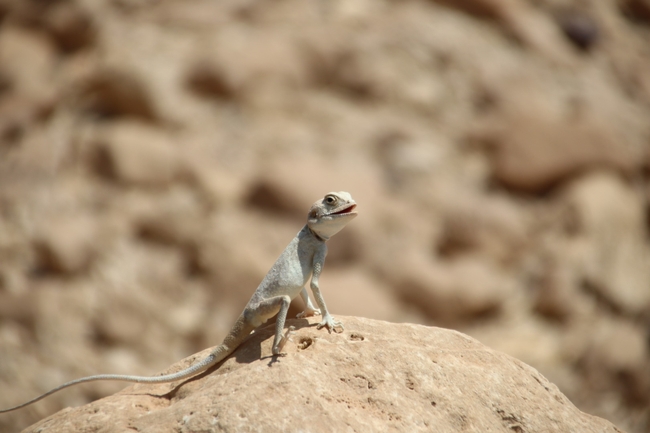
379, 377
157, 155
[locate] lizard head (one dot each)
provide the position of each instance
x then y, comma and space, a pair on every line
328, 216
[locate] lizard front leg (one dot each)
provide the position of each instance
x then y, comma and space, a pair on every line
310, 310
328, 321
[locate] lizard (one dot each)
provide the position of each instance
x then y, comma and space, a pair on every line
300, 261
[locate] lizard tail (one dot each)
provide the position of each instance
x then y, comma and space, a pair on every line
190, 371
238, 334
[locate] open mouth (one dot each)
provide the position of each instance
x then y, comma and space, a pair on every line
346, 210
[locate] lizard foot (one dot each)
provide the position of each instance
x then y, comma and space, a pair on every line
286, 337
331, 324
309, 312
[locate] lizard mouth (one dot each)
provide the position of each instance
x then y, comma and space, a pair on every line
347, 210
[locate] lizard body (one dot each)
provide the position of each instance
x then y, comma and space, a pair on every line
301, 260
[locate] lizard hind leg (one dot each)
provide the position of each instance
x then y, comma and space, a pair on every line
266, 309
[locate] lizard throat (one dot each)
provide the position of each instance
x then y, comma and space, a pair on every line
317, 236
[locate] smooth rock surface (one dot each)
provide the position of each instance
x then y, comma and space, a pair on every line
375, 376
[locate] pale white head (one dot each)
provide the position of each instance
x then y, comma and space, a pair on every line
328, 216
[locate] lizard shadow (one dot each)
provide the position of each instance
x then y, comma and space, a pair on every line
249, 351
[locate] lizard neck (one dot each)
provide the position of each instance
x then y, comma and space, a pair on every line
320, 237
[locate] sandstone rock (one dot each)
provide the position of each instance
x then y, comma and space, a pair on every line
219, 188
172, 218
375, 376
617, 346
71, 27
237, 250
610, 217
67, 244
28, 60
286, 192
556, 294
487, 224
17, 113
111, 92
350, 291
605, 206
636, 9
209, 81
615, 357
67, 22
347, 65
580, 28
242, 65
536, 152
525, 23
138, 154
452, 290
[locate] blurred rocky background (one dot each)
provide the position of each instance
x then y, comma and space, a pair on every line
157, 155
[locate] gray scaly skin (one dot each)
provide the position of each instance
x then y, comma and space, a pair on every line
302, 258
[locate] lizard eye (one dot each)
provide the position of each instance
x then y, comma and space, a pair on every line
330, 199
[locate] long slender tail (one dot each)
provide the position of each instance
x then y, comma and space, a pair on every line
239, 332
206, 363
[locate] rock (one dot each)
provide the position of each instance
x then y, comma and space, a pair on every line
111, 92
17, 112
173, 218
219, 188
556, 296
637, 10
67, 245
617, 346
491, 9
615, 357
534, 153
606, 206
67, 22
28, 60
209, 81
452, 290
138, 154
611, 219
245, 65
349, 291
71, 27
521, 21
283, 192
580, 28
238, 248
374, 376
473, 222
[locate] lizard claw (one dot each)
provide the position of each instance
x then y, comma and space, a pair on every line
287, 337
331, 324
309, 312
